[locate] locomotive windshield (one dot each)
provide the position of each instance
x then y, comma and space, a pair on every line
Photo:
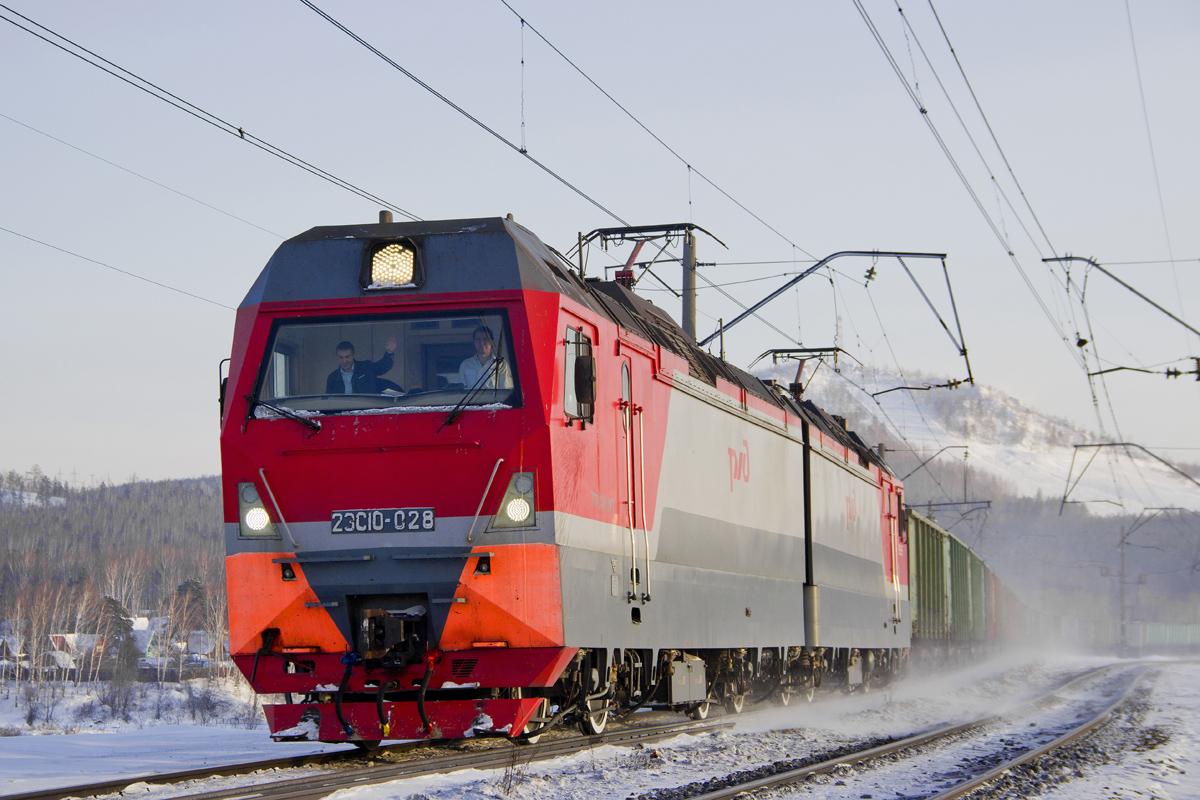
381, 364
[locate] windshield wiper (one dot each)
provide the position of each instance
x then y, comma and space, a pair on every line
284, 412
456, 412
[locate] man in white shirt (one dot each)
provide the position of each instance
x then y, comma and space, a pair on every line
481, 369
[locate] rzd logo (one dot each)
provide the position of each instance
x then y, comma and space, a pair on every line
739, 464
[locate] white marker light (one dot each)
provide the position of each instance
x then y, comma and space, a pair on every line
517, 509
257, 519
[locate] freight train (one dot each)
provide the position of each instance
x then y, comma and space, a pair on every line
469, 492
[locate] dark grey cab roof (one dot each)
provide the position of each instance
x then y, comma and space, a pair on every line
496, 254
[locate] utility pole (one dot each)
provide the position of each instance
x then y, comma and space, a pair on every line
1124, 641
689, 283
965, 454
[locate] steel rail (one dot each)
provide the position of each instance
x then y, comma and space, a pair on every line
800, 773
1071, 736
286, 762
308, 787
316, 786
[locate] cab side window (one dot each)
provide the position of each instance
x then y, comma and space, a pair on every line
579, 378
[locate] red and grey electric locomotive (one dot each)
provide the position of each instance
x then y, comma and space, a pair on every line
468, 492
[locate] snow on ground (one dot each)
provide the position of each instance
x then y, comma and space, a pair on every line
102, 732
1164, 763
30, 763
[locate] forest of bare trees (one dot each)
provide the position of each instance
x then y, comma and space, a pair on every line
79, 564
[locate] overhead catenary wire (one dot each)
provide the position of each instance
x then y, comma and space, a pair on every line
837, 290
199, 113
1063, 336
1162, 208
160, 284
1079, 357
991, 132
690, 168
887, 420
143, 177
516, 147
1093, 376
967, 130
1155, 261
739, 283
744, 307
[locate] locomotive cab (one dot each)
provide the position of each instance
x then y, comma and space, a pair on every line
385, 460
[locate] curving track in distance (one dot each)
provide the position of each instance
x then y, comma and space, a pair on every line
980, 750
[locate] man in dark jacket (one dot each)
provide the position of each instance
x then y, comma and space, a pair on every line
358, 377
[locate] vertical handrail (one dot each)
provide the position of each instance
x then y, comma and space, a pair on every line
627, 419
482, 500
641, 414
262, 473
893, 516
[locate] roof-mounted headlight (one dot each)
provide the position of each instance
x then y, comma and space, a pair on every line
392, 265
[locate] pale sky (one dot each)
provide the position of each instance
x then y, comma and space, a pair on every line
790, 108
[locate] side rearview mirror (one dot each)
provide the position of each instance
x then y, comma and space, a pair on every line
585, 379
224, 379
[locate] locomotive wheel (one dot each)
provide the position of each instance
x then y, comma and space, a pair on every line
784, 698
367, 746
699, 711
595, 721
524, 737
734, 703
810, 692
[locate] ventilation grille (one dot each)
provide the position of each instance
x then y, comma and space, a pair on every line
462, 667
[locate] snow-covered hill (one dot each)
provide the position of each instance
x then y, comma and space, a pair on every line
1031, 452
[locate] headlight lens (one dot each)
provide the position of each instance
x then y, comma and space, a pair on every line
392, 266
517, 510
257, 519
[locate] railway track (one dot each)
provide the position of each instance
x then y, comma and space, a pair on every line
950, 761
936, 755
180, 776
416, 762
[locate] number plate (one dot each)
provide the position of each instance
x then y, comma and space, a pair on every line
383, 520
